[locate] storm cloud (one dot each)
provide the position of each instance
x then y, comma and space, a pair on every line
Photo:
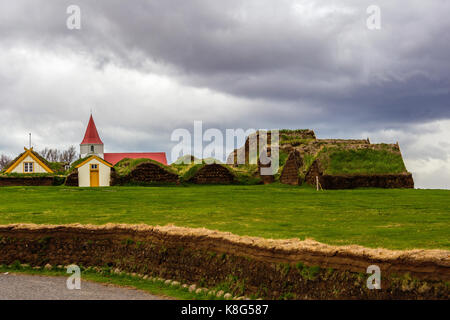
148, 67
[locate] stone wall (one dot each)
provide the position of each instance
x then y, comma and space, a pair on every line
27, 181
213, 174
291, 169
388, 181
313, 172
72, 179
274, 269
145, 173
242, 155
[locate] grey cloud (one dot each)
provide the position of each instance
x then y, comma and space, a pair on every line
272, 67
262, 50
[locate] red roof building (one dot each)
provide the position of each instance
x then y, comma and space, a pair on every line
93, 145
91, 136
113, 158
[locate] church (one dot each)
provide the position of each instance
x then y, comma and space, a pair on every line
95, 167
95, 170
93, 145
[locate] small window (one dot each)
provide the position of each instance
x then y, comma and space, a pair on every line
28, 167
94, 166
92, 148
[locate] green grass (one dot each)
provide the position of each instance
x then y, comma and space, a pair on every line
364, 161
75, 163
193, 169
245, 174
394, 218
156, 288
125, 166
26, 175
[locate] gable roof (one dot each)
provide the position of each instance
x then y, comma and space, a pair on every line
96, 158
91, 135
32, 154
116, 157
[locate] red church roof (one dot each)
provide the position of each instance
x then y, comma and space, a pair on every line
91, 136
116, 157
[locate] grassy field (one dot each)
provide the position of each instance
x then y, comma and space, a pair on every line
394, 219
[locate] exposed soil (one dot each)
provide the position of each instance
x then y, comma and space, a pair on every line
291, 170
249, 265
72, 179
213, 174
26, 181
146, 173
389, 181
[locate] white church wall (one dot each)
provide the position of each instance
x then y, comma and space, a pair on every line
85, 150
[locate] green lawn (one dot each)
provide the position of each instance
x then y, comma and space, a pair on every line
395, 219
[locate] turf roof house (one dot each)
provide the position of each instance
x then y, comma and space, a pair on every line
28, 162
95, 169
332, 163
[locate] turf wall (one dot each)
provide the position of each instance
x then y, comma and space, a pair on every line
290, 172
289, 269
388, 181
213, 174
145, 173
72, 179
30, 181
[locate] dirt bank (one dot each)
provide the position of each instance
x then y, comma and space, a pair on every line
248, 265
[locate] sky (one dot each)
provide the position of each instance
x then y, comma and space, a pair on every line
146, 68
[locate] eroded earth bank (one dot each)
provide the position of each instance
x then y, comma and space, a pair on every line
271, 269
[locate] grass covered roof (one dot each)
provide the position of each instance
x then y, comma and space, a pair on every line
369, 159
125, 166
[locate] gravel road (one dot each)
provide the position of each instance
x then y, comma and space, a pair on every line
30, 287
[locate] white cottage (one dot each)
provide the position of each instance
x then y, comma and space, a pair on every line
29, 162
94, 172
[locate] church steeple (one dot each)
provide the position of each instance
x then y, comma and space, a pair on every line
91, 144
91, 136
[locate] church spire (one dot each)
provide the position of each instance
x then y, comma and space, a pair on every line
91, 144
91, 136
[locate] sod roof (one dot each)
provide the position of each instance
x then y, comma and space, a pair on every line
196, 167
57, 167
336, 156
125, 166
361, 159
244, 174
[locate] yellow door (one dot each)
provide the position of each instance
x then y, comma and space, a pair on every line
94, 178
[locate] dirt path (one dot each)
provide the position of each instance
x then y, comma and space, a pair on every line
30, 287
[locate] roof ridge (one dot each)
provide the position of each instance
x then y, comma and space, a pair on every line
91, 135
